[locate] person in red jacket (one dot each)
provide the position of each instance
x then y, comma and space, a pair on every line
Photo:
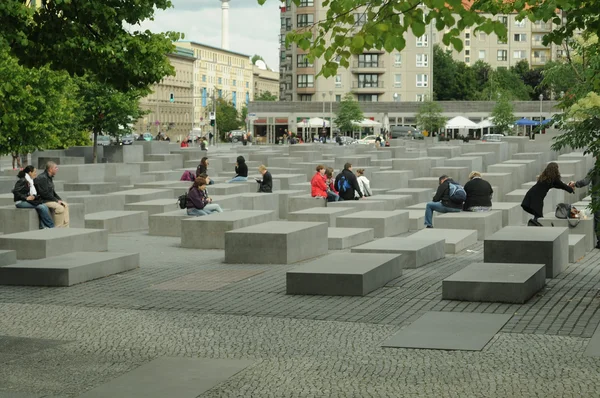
318, 186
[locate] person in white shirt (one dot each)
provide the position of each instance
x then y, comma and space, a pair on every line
363, 183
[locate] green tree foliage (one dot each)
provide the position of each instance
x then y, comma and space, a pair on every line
349, 113
90, 37
430, 117
255, 58
444, 75
481, 73
504, 82
503, 116
266, 96
227, 117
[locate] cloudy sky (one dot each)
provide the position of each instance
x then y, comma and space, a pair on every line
253, 29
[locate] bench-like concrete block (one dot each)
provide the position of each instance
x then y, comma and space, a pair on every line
261, 201
320, 214
444, 151
512, 213
118, 221
418, 194
456, 239
576, 247
517, 172
69, 269
420, 165
576, 227
344, 274
430, 183
458, 174
486, 223
98, 203
7, 257
93, 187
76, 215
344, 238
167, 224
284, 196
123, 154
156, 206
391, 179
174, 159
208, 232
13, 220
393, 202
360, 205
286, 180
416, 220
549, 246
276, 242
302, 202
487, 158
416, 252
228, 189
385, 223
45, 243
470, 162
143, 195
152, 166
495, 282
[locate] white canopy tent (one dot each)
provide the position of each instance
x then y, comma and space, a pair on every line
313, 122
460, 123
368, 123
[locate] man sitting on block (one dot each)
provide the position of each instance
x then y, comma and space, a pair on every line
44, 184
447, 199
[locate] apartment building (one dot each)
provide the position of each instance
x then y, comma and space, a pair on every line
219, 73
264, 80
170, 105
373, 76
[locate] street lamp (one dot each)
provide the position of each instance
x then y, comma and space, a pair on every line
541, 97
330, 116
396, 97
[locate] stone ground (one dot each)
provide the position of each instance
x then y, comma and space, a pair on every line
61, 342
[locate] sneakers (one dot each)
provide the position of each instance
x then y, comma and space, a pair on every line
429, 226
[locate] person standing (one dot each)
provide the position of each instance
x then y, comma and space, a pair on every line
441, 202
347, 184
26, 197
479, 194
44, 184
592, 179
266, 184
533, 202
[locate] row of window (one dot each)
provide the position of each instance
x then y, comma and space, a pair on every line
220, 58
220, 80
364, 81
540, 25
368, 61
232, 96
362, 98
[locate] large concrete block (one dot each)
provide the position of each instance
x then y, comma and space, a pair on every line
385, 223
152, 166
45, 243
143, 195
283, 161
360, 205
87, 152
276, 242
13, 220
261, 201
549, 246
576, 227
344, 274
302, 202
320, 214
456, 240
208, 232
95, 188
512, 214
495, 282
420, 166
416, 220
531, 168
458, 174
430, 183
228, 189
59, 160
76, 215
68, 269
415, 252
98, 203
485, 223
153, 147
167, 224
344, 238
517, 172
419, 194
286, 179
393, 202
391, 179
284, 197
156, 206
487, 158
174, 159
357, 161
588, 159
116, 221
576, 247
502, 149
444, 151
123, 154
7, 257
473, 163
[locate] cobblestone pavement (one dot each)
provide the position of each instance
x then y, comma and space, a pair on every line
64, 341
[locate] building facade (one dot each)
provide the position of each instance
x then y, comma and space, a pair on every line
373, 76
170, 105
265, 80
218, 73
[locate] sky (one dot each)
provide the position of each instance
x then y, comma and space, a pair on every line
253, 29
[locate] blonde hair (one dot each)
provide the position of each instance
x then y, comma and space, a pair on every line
262, 167
474, 174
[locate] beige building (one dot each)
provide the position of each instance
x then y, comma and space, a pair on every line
373, 76
265, 80
170, 104
219, 73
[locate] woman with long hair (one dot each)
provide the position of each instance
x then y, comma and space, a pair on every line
26, 197
198, 202
533, 202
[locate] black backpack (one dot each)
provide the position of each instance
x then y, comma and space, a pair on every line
182, 201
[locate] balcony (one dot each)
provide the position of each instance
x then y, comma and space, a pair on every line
306, 90
359, 87
367, 67
541, 27
539, 61
538, 44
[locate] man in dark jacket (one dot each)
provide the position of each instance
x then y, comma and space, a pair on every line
347, 184
266, 184
592, 179
44, 184
441, 201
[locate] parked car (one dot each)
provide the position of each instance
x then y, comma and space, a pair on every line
235, 135
148, 137
492, 138
404, 132
368, 140
126, 139
103, 140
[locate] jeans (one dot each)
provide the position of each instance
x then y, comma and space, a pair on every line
440, 208
238, 178
43, 213
196, 212
333, 197
213, 208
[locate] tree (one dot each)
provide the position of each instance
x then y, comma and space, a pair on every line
266, 96
90, 37
255, 58
227, 117
444, 73
349, 113
503, 82
503, 116
481, 73
429, 117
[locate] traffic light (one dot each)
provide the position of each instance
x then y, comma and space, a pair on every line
212, 122
172, 97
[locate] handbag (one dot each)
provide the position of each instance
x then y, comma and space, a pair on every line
567, 212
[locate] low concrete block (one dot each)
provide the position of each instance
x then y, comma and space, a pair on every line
152, 166
393, 202
391, 179
576, 247
260, 201
456, 240
575, 227
44, 243
76, 215
7, 257
549, 246
458, 174
156, 206
287, 179
98, 203
123, 154
94, 188
276, 242
385, 223
320, 214
430, 183
284, 196
69, 269
344, 274
344, 238
415, 252
302, 202
416, 220
360, 205
485, 223
418, 194
13, 220
118, 221
208, 232
512, 213
143, 195
495, 282
174, 159
167, 224
228, 189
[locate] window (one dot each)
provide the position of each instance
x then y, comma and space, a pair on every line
368, 60
360, 19
367, 97
467, 42
338, 98
561, 53
423, 41
422, 60
467, 35
305, 97
247, 84
481, 54
204, 96
467, 52
467, 60
303, 62
338, 81
421, 97
519, 54
519, 24
220, 93
204, 78
482, 36
538, 40
288, 24
397, 59
305, 81
234, 83
502, 55
234, 99
397, 80
366, 81
282, 23
422, 80
220, 81
305, 20
520, 37
306, 3
503, 19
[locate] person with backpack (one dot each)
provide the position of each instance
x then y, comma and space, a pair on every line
347, 184
449, 198
479, 193
197, 202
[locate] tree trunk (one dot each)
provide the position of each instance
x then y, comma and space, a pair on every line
95, 149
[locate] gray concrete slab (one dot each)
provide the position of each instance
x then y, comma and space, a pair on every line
13, 220
302, 202
156, 206
456, 240
576, 247
321, 214
344, 238
117, 221
486, 223
368, 204
7, 257
142, 195
419, 194
384, 223
416, 252
167, 224
449, 331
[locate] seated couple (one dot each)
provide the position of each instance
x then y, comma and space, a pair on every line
198, 202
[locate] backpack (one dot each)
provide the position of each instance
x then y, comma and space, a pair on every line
457, 193
343, 185
182, 201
